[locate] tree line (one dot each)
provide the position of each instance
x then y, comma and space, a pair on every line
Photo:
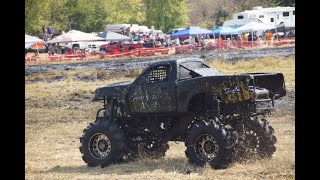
93, 15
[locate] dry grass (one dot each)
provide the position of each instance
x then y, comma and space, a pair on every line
56, 114
285, 65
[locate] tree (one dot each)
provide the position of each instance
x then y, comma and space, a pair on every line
35, 15
220, 16
166, 14
125, 11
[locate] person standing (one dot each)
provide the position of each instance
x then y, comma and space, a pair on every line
58, 49
44, 34
51, 49
50, 32
177, 41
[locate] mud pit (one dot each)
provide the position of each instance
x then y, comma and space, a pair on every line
144, 62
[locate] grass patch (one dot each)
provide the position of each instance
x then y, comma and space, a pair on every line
285, 65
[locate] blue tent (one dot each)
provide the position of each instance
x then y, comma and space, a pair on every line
224, 30
190, 31
235, 26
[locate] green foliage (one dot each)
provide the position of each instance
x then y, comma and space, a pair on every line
166, 14
220, 16
93, 15
83, 15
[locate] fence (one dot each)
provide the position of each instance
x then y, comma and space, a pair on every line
218, 45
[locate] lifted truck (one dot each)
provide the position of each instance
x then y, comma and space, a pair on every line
219, 117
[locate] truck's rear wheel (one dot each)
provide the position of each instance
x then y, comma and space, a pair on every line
208, 142
102, 143
258, 139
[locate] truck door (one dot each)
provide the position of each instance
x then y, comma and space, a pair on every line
154, 91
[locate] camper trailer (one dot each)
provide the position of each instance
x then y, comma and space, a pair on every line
278, 16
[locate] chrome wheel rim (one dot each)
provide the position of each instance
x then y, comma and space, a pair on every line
207, 147
99, 146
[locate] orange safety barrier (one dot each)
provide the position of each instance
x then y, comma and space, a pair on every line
54, 58
184, 49
143, 52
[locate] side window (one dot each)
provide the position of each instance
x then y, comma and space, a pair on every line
271, 20
285, 14
184, 74
158, 74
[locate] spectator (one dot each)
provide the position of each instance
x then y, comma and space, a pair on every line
129, 30
50, 32
44, 34
58, 49
69, 50
269, 37
196, 39
103, 52
168, 41
51, 49
177, 41
243, 38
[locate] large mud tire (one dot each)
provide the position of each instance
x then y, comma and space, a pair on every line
102, 143
259, 139
209, 142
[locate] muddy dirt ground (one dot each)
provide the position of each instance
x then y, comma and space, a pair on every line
144, 62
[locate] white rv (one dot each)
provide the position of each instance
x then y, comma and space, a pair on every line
279, 16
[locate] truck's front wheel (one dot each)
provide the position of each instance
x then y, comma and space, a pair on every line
102, 143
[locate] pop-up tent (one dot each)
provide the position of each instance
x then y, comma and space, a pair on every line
254, 26
190, 31
224, 30
74, 35
29, 40
112, 36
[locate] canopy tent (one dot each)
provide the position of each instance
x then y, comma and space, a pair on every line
235, 26
254, 26
190, 31
285, 28
225, 30
74, 35
29, 40
112, 36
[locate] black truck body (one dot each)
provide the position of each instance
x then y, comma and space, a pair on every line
184, 100
170, 86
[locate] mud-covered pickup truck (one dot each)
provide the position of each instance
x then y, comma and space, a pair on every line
219, 117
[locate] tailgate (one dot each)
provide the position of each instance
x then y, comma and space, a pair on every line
274, 82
